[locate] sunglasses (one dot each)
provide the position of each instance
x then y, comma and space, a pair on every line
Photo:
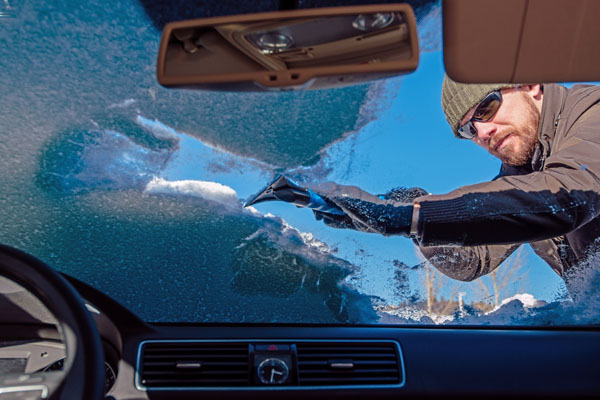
486, 109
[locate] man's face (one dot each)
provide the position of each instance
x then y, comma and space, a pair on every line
511, 134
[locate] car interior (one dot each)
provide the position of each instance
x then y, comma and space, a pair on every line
62, 337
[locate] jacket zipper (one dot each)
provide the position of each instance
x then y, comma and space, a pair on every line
545, 143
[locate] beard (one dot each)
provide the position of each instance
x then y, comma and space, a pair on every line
521, 147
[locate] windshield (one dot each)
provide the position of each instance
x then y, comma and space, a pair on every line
138, 190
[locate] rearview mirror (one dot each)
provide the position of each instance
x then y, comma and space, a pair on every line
287, 50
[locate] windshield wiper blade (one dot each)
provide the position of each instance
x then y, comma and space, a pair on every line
284, 189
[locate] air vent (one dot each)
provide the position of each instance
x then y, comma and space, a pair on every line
194, 364
349, 363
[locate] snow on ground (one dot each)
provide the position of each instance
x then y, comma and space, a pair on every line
526, 299
414, 315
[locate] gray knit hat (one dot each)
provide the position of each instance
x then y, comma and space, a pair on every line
459, 98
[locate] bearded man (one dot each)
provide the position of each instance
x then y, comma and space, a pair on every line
547, 193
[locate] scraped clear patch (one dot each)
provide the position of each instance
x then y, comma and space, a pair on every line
577, 304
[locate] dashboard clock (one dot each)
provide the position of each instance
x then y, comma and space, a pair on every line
273, 371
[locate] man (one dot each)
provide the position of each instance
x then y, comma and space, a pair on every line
547, 192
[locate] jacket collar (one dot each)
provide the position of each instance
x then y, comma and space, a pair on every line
552, 107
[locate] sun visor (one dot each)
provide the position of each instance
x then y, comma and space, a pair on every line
521, 41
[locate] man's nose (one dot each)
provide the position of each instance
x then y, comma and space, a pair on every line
485, 130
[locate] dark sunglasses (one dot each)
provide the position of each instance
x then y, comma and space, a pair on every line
487, 108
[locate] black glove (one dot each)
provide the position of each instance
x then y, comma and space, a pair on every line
368, 213
387, 219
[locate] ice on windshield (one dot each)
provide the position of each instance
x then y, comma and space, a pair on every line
138, 190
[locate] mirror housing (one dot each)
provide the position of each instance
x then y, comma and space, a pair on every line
289, 50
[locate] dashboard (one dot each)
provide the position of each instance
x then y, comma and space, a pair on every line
226, 361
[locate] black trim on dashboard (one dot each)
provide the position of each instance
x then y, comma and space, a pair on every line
139, 385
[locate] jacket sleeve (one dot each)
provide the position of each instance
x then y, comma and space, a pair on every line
523, 208
467, 263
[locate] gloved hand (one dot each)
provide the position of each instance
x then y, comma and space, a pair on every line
335, 221
368, 213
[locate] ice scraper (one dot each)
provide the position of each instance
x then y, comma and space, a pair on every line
284, 189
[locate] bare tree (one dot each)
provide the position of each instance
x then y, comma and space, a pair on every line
434, 280
499, 279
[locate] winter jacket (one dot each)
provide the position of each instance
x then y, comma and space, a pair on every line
552, 203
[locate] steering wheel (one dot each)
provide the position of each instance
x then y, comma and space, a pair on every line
82, 376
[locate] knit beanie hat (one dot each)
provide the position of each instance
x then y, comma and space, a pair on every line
459, 98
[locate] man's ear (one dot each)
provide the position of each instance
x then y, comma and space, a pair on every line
535, 91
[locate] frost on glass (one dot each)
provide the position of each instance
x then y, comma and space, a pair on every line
138, 190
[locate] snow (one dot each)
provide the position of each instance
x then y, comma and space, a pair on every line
294, 241
158, 129
207, 190
414, 315
525, 298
